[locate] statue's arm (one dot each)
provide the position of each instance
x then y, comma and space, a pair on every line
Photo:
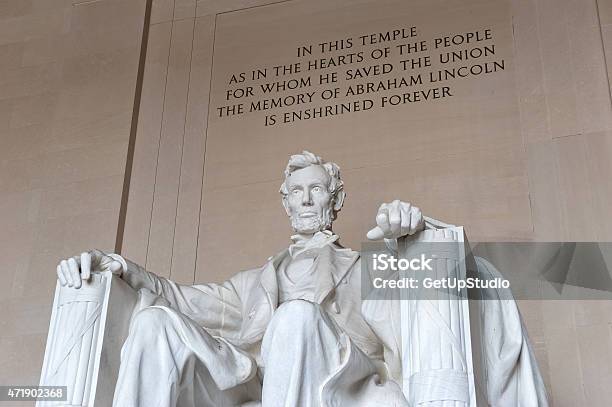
214, 306
136, 276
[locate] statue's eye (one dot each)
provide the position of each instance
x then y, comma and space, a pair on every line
316, 189
295, 191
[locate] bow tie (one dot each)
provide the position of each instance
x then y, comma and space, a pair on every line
310, 247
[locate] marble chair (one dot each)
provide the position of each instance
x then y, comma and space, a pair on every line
443, 362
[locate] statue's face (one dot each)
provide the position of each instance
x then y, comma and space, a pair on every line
309, 203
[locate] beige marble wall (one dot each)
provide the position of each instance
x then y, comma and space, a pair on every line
68, 74
548, 181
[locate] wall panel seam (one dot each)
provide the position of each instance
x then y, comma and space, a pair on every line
161, 127
212, 64
178, 186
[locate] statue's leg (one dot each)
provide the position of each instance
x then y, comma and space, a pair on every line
168, 360
300, 349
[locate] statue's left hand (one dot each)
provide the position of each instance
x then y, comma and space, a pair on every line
396, 219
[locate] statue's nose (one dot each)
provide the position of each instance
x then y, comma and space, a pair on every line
306, 198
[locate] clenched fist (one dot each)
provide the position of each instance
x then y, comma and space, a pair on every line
71, 271
396, 219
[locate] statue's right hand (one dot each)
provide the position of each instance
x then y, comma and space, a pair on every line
72, 271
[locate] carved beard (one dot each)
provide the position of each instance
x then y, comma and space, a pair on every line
313, 224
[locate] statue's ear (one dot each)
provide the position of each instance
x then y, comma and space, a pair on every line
286, 205
339, 200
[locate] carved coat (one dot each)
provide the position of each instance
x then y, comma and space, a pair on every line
240, 309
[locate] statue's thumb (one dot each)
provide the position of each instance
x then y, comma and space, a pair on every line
375, 233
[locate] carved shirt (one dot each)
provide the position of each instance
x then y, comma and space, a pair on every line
297, 273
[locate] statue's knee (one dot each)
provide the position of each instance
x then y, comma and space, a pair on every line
298, 312
294, 322
150, 320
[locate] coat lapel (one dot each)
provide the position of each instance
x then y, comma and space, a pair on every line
332, 265
261, 302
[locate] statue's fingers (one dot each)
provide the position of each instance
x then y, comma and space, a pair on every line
85, 265
416, 220
60, 275
405, 220
382, 220
395, 218
375, 233
407, 206
74, 271
67, 273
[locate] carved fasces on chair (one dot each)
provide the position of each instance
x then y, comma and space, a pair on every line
435, 326
86, 332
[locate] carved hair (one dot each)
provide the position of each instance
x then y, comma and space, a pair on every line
306, 159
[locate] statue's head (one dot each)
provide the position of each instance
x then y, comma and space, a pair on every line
312, 192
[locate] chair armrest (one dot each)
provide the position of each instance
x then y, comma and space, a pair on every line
87, 329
